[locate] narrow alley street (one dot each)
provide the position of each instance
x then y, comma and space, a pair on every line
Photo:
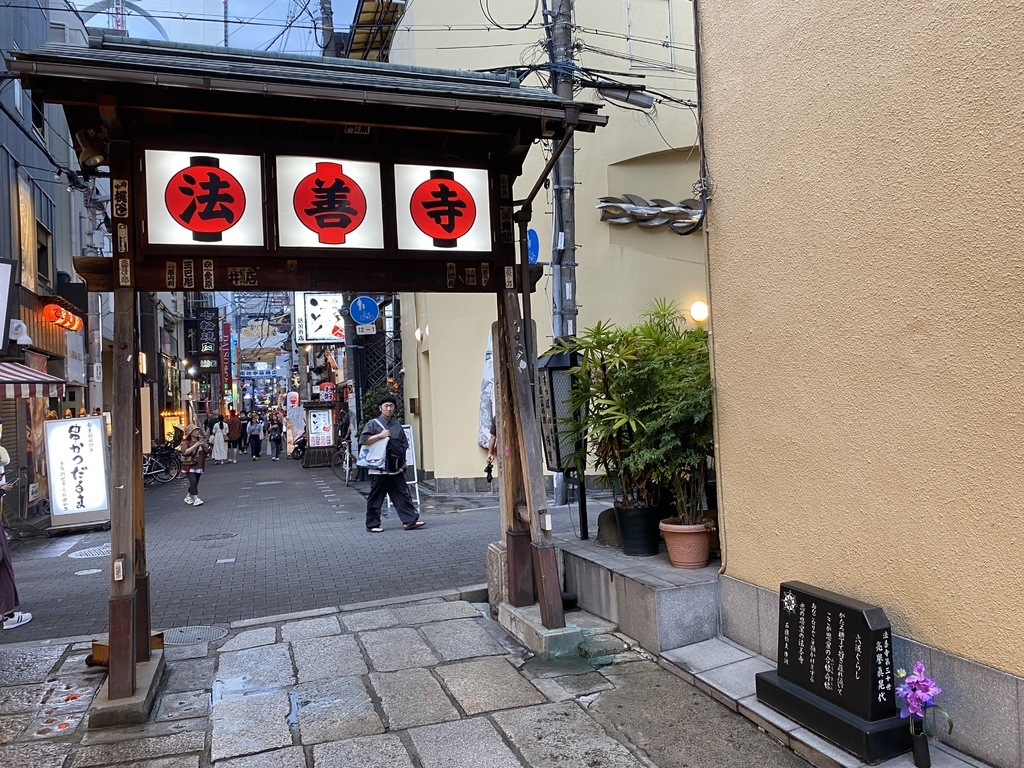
271, 538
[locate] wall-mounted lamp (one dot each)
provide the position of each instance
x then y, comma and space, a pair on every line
419, 335
699, 311
92, 144
18, 332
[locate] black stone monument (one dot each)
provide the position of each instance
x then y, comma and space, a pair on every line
835, 672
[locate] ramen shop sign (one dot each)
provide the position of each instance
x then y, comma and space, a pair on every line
213, 200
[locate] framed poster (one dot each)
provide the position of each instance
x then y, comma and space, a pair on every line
320, 427
76, 458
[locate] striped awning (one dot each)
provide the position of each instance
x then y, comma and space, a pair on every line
17, 380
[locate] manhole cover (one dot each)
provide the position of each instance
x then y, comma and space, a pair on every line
193, 635
213, 537
103, 551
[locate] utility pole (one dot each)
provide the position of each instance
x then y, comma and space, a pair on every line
563, 255
327, 23
564, 248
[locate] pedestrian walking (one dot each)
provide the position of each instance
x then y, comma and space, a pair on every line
193, 457
275, 434
234, 435
389, 481
8, 590
255, 432
220, 441
245, 417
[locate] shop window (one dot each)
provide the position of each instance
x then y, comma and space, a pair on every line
39, 114
43, 242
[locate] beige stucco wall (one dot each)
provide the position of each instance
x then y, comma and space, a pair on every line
620, 268
866, 267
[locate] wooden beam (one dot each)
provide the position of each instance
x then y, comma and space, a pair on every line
376, 275
517, 365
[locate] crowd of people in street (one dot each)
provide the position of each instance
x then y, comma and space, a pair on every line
222, 439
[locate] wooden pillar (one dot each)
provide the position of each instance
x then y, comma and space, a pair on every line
516, 363
515, 519
141, 573
124, 478
125, 458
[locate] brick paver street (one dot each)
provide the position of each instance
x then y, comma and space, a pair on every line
271, 538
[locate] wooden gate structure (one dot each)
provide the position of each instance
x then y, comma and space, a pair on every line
237, 171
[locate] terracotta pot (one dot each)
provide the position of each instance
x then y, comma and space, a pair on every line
688, 545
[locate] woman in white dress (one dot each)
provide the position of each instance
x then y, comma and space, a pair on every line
220, 442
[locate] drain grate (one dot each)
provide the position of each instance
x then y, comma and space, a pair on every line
103, 551
193, 635
215, 536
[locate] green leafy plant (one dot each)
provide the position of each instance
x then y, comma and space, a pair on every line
374, 393
643, 395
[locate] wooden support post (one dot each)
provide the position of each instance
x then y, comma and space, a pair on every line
141, 574
519, 553
516, 365
515, 520
124, 478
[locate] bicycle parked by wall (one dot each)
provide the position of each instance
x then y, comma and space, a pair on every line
156, 469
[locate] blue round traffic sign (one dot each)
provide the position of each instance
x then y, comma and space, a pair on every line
533, 245
364, 310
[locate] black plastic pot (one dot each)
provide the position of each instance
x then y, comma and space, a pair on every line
638, 529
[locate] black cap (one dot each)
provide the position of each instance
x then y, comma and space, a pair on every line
387, 399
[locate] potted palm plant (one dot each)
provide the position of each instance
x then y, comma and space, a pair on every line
642, 398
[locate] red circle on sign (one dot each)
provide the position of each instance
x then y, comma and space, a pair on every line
205, 199
442, 209
329, 203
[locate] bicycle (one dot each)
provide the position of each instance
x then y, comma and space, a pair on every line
169, 457
341, 463
155, 469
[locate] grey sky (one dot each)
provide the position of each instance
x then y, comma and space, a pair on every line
254, 24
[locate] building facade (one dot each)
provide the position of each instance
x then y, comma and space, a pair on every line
864, 241
649, 153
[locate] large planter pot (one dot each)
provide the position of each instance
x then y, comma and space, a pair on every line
638, 529
688, 545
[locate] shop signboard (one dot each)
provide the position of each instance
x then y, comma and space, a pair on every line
328, 203
319, 317
204, 199
320, 427
76, 456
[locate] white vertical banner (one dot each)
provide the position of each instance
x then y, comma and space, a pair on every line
76, 457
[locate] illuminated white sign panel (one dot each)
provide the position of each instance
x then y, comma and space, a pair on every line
442, 209
328, 203
203, 199
320, 428
319, 318
76, 456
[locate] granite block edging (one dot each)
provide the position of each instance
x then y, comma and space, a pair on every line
989, 728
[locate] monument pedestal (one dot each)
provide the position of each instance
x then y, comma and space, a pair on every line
871, 741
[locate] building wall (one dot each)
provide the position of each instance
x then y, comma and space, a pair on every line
865, 262
620, 268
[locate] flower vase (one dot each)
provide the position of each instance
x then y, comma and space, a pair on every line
919, 742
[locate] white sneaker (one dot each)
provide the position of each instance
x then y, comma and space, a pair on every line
19, 618
197, 502
189, 499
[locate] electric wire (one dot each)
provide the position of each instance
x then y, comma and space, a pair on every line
485, 9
